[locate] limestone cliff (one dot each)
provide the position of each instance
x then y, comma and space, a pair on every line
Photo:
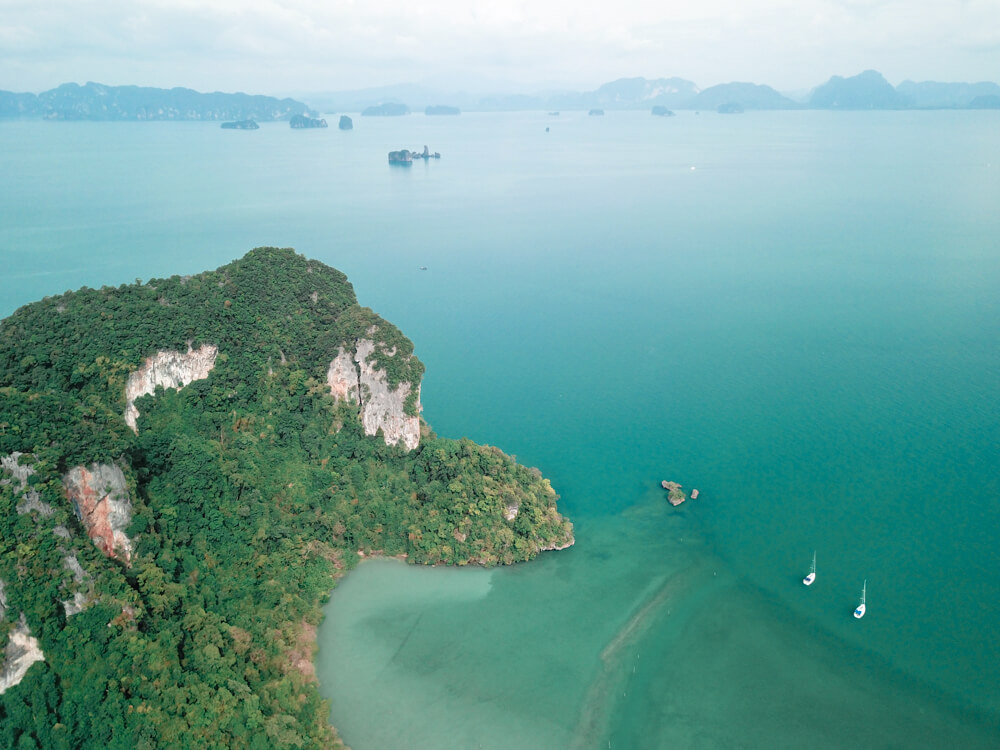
169, 370
353, 377
99, 494
22, 649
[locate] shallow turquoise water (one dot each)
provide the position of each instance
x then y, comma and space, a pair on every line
805, 326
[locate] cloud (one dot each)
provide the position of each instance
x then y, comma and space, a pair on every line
300, 44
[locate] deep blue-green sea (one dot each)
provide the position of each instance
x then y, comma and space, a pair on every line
797, 313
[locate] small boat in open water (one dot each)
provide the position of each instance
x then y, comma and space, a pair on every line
808, 580
860, 611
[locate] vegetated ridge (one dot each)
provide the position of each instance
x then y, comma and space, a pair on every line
186, 468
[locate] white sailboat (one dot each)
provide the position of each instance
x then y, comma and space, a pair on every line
860, 611
808, 580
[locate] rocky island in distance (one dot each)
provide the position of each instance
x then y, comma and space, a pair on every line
405, 157
240, 125
300, 122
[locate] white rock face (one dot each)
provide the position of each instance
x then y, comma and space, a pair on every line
76, 605
21, 652
11, 465
342, 377
352, 378
29, 497
169, 370
82, 589
99, 494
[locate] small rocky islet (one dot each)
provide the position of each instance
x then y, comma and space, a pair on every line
676, 494
405, 157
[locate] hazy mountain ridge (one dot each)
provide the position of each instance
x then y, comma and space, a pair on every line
867, 90
748, 95
935, 94
95, 101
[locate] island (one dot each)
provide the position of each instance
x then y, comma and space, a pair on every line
596, 112
187, 467
405, 157
730, 108
660, 111
387, 109
675, 492
299, 122
240, 125
346, 123
441, 109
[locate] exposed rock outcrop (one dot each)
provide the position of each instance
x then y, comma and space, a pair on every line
570, 540
30, 501
100, 499
11, 464
82, 590
675, 492
21, 652
353, 378
169, 370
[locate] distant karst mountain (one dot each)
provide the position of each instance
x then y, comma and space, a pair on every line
933, 94
629, 93
95, 101
867, 90
747, 95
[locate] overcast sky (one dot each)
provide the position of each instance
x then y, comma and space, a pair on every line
293, 46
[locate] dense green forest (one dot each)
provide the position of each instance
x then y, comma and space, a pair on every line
252, 491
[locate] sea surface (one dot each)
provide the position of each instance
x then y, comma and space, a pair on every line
797, 313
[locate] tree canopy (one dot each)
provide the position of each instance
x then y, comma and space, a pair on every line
252, 491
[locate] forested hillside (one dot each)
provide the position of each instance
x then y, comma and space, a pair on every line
246, 493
